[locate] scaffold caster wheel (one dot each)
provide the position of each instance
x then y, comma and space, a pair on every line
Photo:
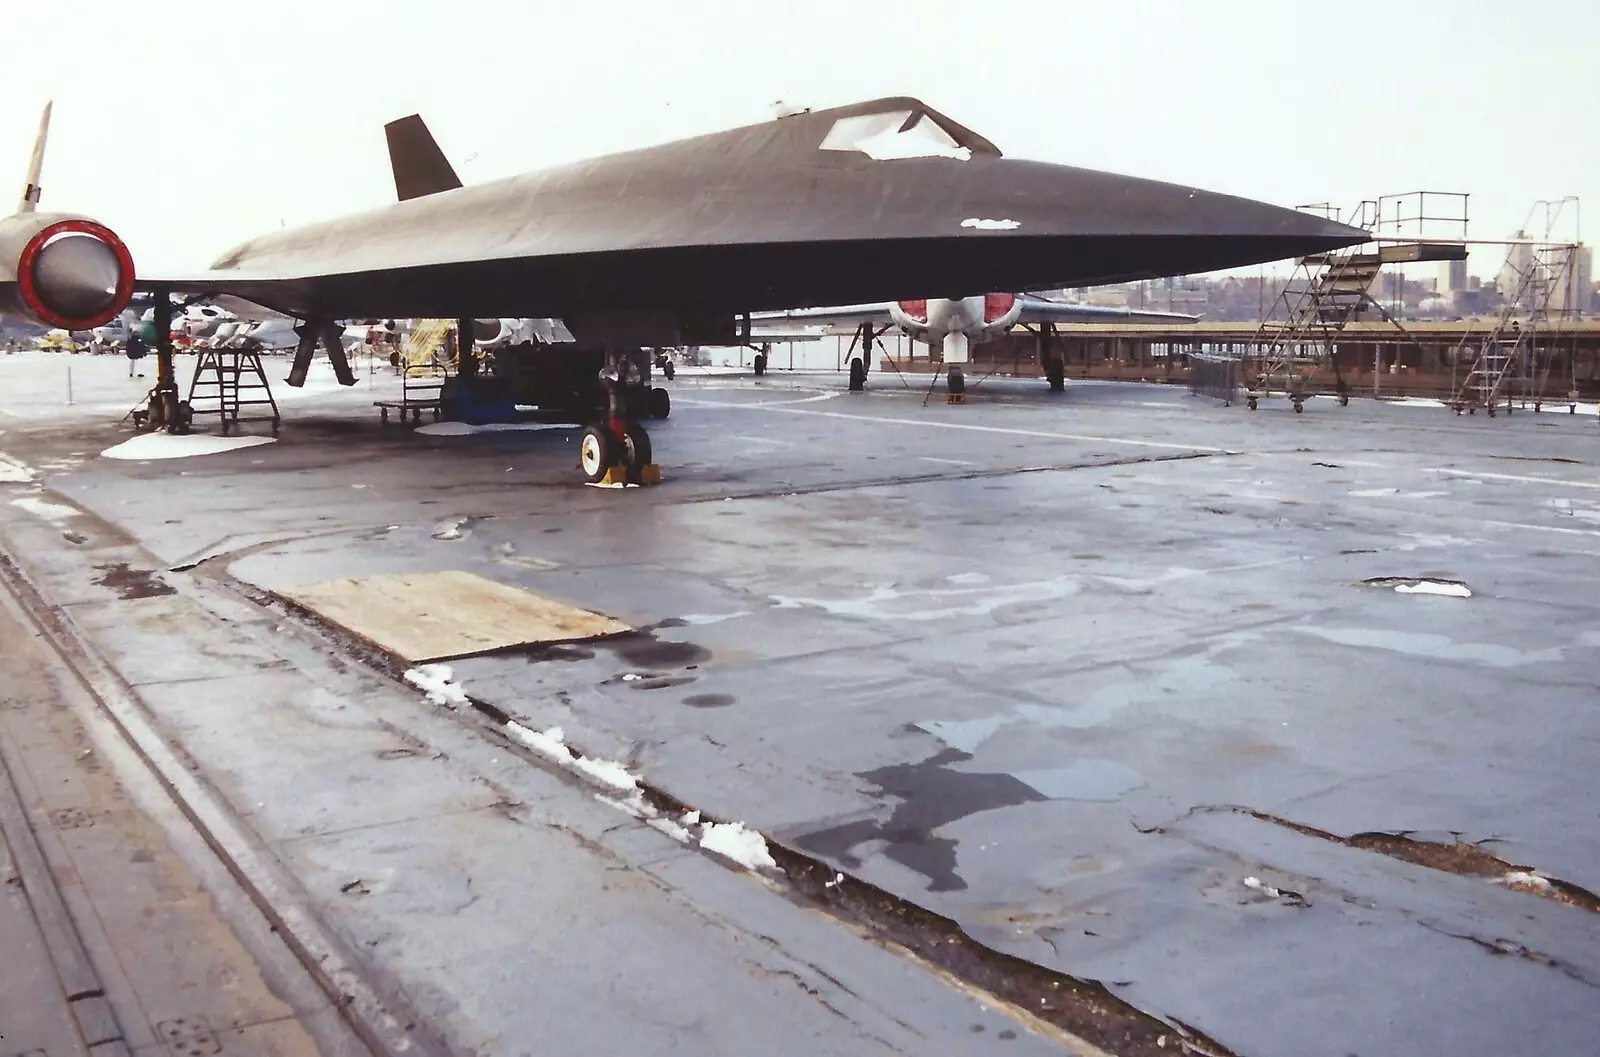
597, 452
1490, 410
1344, 400
1299, 408
1252, 403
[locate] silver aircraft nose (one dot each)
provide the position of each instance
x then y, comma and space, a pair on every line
77, 276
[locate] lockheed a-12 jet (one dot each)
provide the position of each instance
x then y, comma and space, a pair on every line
676, 244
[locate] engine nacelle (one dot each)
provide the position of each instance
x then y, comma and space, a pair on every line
1000, 313
910, 316
63, 270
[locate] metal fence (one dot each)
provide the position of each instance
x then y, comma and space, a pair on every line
1214, 376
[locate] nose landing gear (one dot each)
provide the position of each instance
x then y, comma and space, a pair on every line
956, 383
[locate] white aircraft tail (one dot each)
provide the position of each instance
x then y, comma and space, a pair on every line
30, 191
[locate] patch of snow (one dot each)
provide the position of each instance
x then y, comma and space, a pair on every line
608, 772
617, 484
48, 511
437, 682
172, 446
1434, 587
1372, 493
466, 429
985, 224
551, 742
1523, 877
731, 840
1258, 885
13, 471
670, 828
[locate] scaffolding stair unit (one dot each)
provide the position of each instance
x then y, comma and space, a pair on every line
226, 382
1510, 351
1335, 290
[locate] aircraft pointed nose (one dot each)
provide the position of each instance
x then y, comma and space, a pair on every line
1093, 227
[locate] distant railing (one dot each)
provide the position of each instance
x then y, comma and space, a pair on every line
1217, 377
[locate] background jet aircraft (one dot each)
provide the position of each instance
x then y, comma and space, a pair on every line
676, 244
957, 323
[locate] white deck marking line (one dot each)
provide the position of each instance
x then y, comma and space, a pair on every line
1542, 528
1514, 477
758, 403
948, 462
969, 426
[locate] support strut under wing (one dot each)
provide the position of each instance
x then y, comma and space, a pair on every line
330, 335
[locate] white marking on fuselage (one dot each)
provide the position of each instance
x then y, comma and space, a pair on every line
985, 224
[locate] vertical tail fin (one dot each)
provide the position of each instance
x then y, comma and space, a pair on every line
30, 191
420, 167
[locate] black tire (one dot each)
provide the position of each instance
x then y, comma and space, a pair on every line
760, 363
956, 381
1056, 374
660, 403
635, 453
597, 452
858, 375
669, 370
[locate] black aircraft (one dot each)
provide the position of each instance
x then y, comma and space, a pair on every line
676, 244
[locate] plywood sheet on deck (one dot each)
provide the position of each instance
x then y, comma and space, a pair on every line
435, 616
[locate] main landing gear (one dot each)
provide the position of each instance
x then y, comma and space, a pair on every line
617, 451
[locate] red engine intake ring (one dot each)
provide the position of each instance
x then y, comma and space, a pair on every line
30, 292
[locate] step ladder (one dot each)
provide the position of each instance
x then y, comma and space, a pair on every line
226, 382
1510, 352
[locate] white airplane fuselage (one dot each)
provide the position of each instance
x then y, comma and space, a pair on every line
956, 323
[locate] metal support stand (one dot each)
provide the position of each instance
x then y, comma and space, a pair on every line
166, 410
466, 365
331, 337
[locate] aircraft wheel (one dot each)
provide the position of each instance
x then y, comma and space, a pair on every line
760, 363
660, 403
1056, 374
1252, 403
635, 447
669, 370
858, 375
597, 452
1299, 408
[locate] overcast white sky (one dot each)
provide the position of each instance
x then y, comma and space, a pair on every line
190, 126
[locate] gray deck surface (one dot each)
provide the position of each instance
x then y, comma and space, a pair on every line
1037, 663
